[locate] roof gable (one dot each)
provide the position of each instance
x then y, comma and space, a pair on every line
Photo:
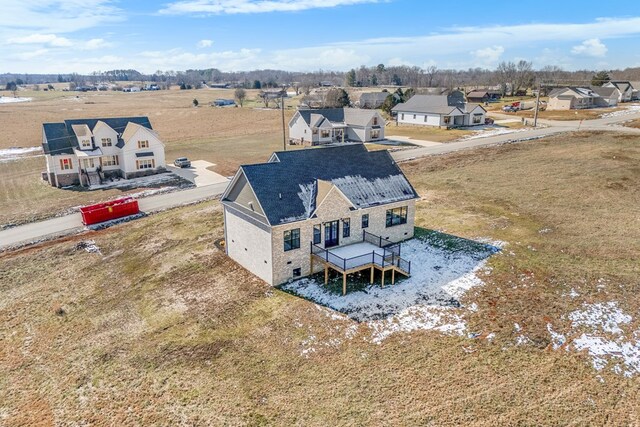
287, 190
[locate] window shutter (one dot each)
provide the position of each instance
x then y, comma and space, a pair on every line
61, 164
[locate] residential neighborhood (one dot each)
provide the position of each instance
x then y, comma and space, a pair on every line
297, 213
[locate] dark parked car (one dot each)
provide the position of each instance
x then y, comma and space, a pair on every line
182, 162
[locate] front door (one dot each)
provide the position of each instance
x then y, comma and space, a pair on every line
331, 230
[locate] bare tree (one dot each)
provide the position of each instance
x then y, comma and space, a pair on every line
431, 72
507, 72
240, 95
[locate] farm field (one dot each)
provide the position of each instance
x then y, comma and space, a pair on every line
152, 324
224, 136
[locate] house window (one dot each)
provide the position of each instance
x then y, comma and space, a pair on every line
346, 227
109, 161
324, 133
86, 143
143, 144
106, 142
297, 272
402, 116
477, 118
88, 163
414, 117
317, 234
365, 221
66, 164
292, 239
375, 134
375, 121
425, 118
447, 120
145, 164
396, 216
315, 131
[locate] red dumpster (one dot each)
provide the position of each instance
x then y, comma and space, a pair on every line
101, 212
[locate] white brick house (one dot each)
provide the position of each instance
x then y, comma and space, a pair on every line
343, 206
444, 111
88, 151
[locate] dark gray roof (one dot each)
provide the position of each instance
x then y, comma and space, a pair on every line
286, 188
332, 114
60, 138
438, 104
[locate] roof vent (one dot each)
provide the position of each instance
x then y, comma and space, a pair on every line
251, 206
280, 196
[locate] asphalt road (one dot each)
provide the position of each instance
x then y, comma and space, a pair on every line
68, 224
43, 230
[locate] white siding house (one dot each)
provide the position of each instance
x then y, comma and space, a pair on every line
445, 111
88, 151
335, 125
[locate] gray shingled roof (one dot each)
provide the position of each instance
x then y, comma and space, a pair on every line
350, 116
61, 139
604, 91
286, 188
437, 104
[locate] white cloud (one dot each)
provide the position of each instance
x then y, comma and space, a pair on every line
489, 55
44, 39
204, 43
216, 7
590, 47
95, 44
57, 16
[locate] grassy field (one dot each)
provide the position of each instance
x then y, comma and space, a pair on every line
428, 133
160, 328
224, 136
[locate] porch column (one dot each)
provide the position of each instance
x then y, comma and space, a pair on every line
344, 283
383, 277
326, 274
393, 276
311, 262
371, 280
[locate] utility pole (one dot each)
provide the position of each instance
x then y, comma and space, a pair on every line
535, 115
284, 134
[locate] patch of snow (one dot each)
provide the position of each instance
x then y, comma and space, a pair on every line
603, 351
602, 316
557, 338
631, 109
12, 100
13, 153
308, 196
419, 317
144, 181
493, 131
363, 192
426, 300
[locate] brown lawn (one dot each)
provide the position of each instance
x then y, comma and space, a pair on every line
161, 328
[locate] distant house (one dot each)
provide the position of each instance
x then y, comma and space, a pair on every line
372, 100
339, 208
625, 88
88, 151
635, 93
482, 96
445, 111
576, 98
326, 83
610, 95
221, 102
332, 125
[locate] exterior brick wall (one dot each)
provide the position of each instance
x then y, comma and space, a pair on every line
249, 245
334, 207
145, 172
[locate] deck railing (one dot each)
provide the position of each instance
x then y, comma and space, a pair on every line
384, 259
381, 242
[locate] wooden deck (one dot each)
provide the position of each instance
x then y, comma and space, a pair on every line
377, 259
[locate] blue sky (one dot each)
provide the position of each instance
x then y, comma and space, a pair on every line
51, 36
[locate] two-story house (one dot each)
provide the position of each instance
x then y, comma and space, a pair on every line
335, 125
88, 151
339, 207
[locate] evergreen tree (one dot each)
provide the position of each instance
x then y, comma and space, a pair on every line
351, 78
600, 78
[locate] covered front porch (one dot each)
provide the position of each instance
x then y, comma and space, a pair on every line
373, 253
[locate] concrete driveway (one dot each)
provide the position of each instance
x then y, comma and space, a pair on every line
199, 174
